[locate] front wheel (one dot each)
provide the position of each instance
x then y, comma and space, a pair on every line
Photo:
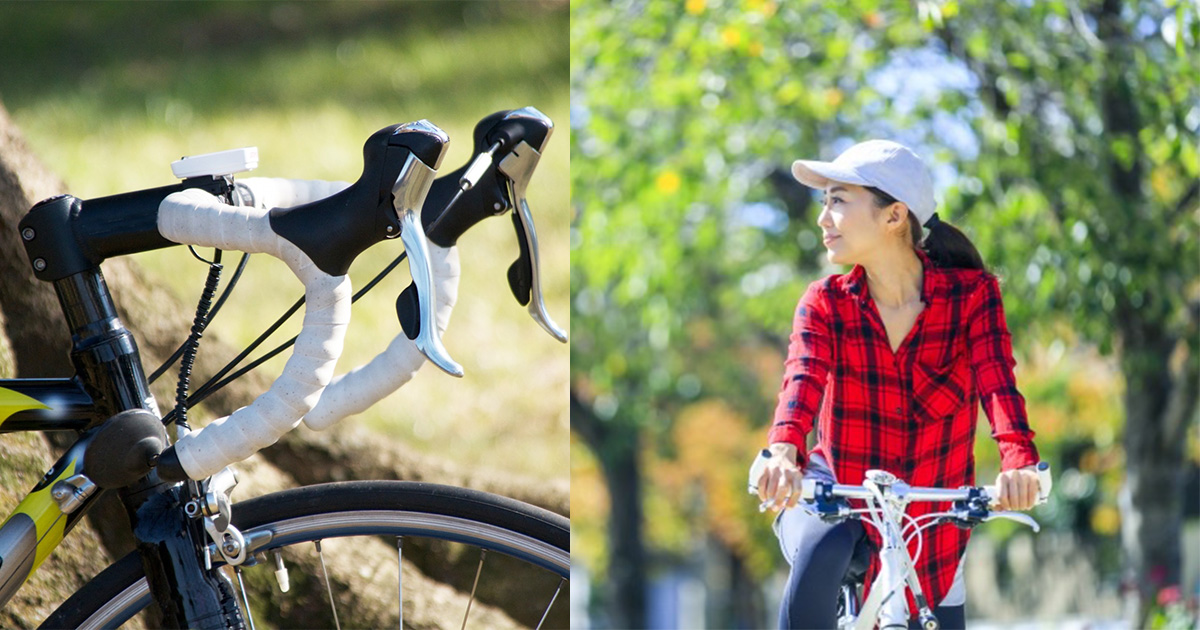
380, 553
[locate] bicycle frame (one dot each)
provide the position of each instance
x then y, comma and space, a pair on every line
38, 525
887, 603
887, 499
110, 379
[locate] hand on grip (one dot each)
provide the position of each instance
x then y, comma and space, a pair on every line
1043, 490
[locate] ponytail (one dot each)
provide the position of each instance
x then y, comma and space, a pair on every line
946, 245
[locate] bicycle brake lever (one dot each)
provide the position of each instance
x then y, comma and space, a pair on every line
1019, 517
482, 189
409, 192
524, 275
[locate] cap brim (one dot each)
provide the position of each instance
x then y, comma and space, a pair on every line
819, 174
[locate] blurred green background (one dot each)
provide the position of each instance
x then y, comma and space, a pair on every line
1064, 141
109, 94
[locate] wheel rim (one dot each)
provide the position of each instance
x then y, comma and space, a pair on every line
367, 523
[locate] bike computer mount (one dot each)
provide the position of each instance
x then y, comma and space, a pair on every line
218, 164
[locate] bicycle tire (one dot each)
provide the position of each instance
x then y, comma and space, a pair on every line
345, 509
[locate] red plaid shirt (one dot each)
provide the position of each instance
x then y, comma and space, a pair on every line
912, 412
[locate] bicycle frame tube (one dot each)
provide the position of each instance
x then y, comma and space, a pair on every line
106, 356
45, 404
887, 602
38, 525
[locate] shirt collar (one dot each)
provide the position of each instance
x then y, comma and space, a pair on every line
855, 282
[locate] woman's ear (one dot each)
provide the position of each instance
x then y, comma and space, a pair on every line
897, 217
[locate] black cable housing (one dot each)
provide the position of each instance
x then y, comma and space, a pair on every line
217, 382
190, 347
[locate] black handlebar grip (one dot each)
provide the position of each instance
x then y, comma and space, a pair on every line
333, 231
488, 197
169, 468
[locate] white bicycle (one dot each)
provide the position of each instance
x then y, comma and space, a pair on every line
886, 499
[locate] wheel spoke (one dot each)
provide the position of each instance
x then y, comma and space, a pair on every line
328, 588
478, 570
245, 600
400, 578
551, 604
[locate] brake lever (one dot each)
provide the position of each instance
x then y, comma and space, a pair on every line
409, 192
524, 275
481, 189
1019, 517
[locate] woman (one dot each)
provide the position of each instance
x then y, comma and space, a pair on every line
892, 360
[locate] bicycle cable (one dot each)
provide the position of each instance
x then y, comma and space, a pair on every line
192, 344
217, 382
233, 280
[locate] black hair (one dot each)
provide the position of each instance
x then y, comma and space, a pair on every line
945, 245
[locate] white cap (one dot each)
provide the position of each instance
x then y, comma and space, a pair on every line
883, 164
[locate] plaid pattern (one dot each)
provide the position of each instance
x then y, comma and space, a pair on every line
912, 412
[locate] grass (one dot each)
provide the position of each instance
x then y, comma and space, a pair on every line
307, 84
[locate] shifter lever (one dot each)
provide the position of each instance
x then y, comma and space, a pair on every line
508, 145
408, 195
524, 274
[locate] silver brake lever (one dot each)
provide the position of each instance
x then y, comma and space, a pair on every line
1019, 517
409, 192
518, 167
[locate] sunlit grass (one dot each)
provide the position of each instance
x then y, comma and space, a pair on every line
309, 107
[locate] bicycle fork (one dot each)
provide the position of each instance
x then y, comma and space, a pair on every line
171, 544
887, 602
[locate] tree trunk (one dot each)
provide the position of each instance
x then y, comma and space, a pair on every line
627, 563
1160, 401
617, 448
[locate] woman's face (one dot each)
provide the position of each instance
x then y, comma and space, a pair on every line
853, 228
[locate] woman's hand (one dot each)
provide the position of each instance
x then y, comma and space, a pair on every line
1018, 488
780, 480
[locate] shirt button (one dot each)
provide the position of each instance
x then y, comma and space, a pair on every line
899, 409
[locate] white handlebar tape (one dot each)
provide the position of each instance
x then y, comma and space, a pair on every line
367, 384
195, 217
304, 390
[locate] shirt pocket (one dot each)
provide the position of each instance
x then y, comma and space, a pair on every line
939, 391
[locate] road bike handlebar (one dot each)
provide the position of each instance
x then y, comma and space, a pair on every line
508, 147
360, 388
810, 488
813, 489
318, 240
